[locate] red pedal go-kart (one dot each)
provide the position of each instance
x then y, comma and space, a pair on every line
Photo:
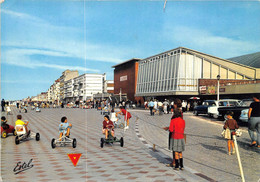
7, 129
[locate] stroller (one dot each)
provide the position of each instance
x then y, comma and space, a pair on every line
120, 122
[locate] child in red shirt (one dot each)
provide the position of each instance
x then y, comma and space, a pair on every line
108, 124
177, 142
126, 114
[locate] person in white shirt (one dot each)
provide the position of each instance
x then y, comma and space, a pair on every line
184, 105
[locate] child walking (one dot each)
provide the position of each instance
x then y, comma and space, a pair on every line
231, 124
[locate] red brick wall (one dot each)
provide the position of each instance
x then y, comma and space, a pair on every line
128, 86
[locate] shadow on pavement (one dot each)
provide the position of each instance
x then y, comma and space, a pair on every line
214, 147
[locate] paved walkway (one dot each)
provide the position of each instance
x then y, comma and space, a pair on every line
206, 151
133, 162
48, 164
205, 157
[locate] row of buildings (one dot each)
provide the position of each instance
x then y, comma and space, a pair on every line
180, 72
72, 87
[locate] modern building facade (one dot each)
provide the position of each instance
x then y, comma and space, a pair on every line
66, 75
179, 71
53, 93
83, 87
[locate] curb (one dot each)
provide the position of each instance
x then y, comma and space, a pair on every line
166, 157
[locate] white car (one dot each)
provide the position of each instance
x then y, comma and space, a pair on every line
244, 115
213, 110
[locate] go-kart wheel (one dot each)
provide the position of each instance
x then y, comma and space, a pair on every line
4, 134
37, 137
102, 141
14, 132
74, 143
121, 141
53, 145
17, 141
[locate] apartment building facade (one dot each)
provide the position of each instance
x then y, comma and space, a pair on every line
83, 87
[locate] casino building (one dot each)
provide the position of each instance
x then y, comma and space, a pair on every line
184, 72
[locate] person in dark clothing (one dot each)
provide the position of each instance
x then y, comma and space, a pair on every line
254, 121
3, 105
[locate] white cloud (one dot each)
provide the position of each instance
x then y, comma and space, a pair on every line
205, 41
21, 57
51, 40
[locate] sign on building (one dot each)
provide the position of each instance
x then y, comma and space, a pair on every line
123, 78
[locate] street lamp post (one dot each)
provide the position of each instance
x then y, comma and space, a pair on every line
120, 94
218, 78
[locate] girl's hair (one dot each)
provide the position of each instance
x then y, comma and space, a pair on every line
230, 113
177, 102
106, 116
176, 113
63, 119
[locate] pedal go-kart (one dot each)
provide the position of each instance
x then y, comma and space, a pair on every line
64, 140
38, 109
22, 135
6, 129
110, 139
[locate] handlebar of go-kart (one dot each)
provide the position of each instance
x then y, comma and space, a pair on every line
110, 127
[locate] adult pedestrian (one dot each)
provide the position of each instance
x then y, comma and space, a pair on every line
155, 106
165, 106
151, 106
254, 121
184, 105
160, 107
3, 105
172, 106
145, 105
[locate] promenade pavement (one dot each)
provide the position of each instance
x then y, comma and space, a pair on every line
205, 151
50, 165
205, 157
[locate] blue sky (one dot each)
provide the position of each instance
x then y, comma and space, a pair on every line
40, 39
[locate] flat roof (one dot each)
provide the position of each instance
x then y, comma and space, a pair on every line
130, 60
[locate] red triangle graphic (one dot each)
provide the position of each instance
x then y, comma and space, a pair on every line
74, 158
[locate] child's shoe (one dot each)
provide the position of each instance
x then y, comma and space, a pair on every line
229, 153
233, 152
181, 164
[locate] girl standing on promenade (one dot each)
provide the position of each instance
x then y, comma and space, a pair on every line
177, 143
177, 105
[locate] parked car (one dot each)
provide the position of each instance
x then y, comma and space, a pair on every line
203, 109
213, 110
236, 109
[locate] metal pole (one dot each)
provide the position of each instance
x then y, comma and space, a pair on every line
218, 92
120, 95
238, 158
